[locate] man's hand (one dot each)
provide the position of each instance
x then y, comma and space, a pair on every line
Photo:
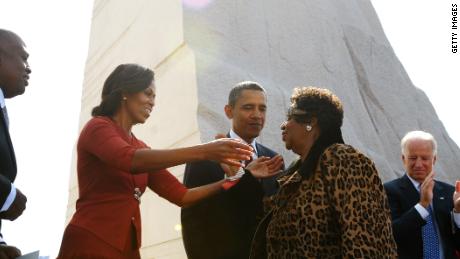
9, 252
264, 167
457, 197
426, 190
16, 208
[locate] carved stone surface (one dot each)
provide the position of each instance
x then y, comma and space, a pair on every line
199, 54
336, 44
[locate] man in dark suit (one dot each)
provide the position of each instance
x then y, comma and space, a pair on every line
424, 211
14, 75
222, 226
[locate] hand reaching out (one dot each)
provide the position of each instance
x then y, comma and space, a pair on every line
228, 151
231, 170
264, 167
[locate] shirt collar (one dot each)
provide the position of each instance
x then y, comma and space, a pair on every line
253, 143
2, 99
415, 183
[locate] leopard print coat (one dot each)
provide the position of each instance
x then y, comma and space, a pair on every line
341, 211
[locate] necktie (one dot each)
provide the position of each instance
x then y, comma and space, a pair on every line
5, 115
430, 238
247, 162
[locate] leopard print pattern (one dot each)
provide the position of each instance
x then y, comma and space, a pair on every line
343, 213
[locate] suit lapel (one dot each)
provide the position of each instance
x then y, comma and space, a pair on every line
261, 150
411, 194
8, 140
441, 200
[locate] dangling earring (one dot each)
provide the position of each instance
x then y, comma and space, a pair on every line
308, 127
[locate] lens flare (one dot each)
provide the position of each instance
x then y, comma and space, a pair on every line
196, 4
178, 227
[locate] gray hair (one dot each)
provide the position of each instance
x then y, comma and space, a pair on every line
235, 93
420, 135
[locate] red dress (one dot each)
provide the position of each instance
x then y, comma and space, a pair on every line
107, 210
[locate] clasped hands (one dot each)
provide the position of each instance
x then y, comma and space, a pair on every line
16, 208
13, 212
426, 192
9, 252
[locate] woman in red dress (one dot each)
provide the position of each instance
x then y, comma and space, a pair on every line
114, 168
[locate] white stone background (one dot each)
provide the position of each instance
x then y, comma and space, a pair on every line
43, 121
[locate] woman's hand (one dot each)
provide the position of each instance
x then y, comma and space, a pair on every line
231, 170
264, 167
228, 151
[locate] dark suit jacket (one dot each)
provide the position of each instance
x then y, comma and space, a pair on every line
222, 226
7, 162
407, 222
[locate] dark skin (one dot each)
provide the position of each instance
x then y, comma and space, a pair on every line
14, 68
248, 114
16, 208
9, 252
262, 167
14, 75
136, 108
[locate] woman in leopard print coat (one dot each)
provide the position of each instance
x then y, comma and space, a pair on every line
331, 202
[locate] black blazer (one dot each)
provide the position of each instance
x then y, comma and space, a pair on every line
7, 162
222, 226
407, 222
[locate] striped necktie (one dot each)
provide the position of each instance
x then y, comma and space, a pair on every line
5, 115
430, 238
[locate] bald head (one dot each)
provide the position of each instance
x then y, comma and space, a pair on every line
14, 69
9, 39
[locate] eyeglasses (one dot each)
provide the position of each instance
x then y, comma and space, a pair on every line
296, 114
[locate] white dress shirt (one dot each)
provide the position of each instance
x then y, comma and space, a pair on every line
241, 172
253, 143
424, 214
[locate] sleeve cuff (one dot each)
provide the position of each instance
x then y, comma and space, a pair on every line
229, 184
9, 200
235, 177
422, 211
456, 218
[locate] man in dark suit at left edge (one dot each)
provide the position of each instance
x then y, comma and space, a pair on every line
14, 75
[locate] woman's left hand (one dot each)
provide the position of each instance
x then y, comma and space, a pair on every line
264, 167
